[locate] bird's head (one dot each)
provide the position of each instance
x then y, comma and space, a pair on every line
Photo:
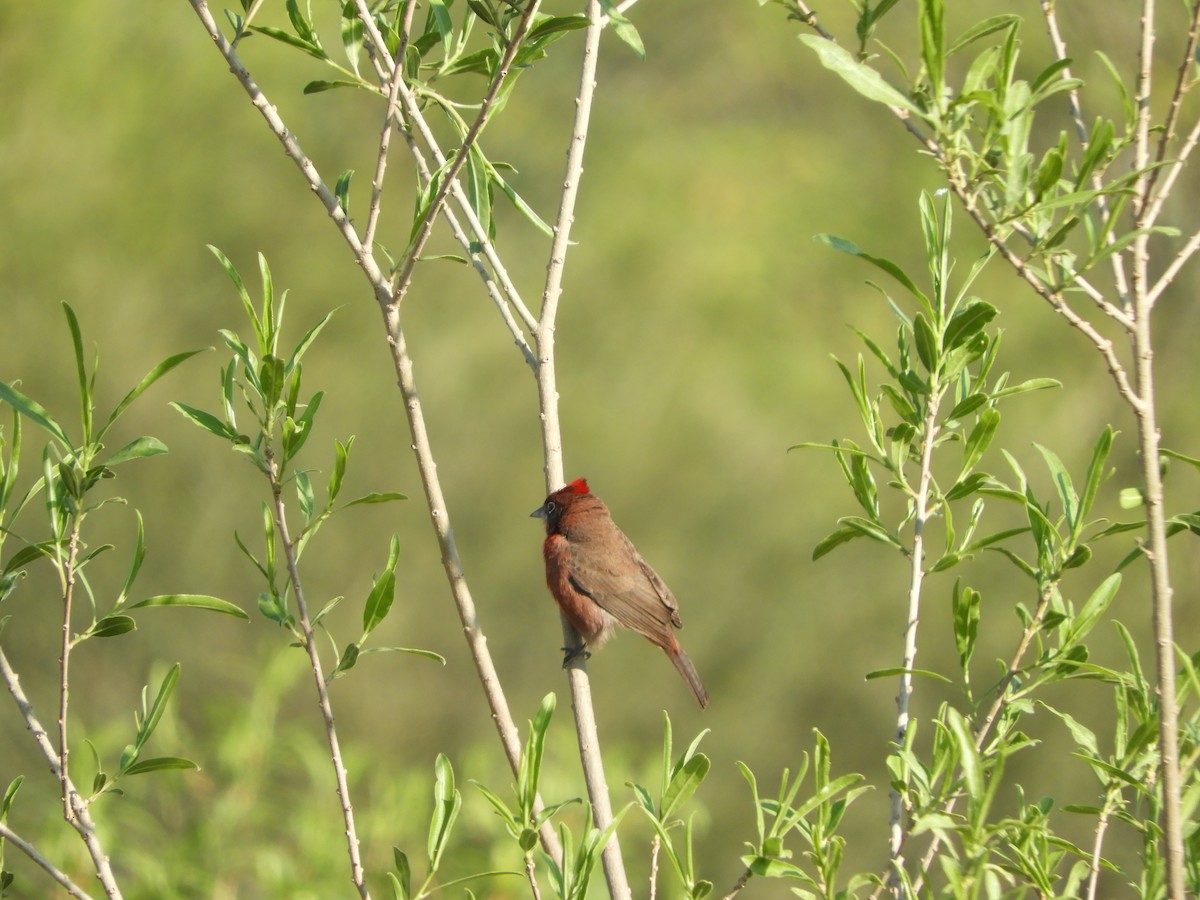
560, 501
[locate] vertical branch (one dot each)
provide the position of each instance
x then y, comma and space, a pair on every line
452, 565
896, 824
1161, 592
357, 876
1148, 440
577, 675
64, 669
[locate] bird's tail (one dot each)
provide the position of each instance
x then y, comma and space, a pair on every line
689, 673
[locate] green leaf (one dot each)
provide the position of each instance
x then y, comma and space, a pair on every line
982, 29
966, 622
150, 377
862, 78
529, 769
412, 651
900, 670
873, 530
447, 803
383, 591
623, 28
138, 448
1033, 384
684, 783
160, 764
967, 322
33, 410
979, 439
1062, 481
341, 189
846, 246
835, 539
111, 626
404, 870
285, 37
376, 497
207, 421
193, 601
928, 349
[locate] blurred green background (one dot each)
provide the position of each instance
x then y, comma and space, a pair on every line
694, 340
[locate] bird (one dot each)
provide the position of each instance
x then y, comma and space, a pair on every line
601, 582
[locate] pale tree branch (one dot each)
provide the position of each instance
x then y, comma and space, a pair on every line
357, 875
80, 818
404, 277
896, 824
414, 115
476, 641
1183, 82
1116, 260
50, 869
1155, 549
1173, 269
577, 675
67, 569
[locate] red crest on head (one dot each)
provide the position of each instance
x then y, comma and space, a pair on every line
578, 486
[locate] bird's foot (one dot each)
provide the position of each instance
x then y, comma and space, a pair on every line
573, 653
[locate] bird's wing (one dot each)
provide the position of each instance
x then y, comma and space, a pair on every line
627, 588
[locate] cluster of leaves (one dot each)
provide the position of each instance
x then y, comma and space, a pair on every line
270, 387
982, 128
945, 359
940, 381
436, 57
72, 471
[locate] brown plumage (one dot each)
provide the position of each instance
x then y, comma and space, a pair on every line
600, 581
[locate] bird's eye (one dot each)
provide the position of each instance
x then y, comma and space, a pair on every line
551, 506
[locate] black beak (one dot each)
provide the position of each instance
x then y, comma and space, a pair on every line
539, 513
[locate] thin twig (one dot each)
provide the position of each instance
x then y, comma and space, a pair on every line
64, 666
896, 823
1183, 82
531, 876
1161, 592
413, 112
1002, 699
655, 844
1116, 260
404, 278
738, 885
391, 119
1155, 549
52, 870
81, 819
357, 875
809, 18
1173, 269
577, 675
1173, 170
1097, 843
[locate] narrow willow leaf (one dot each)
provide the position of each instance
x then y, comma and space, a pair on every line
207, 421
861, 78
376, 497
193, 601
383, 592
33, 410
138, 448
846, 246
111, 626
979, 439
160, 764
